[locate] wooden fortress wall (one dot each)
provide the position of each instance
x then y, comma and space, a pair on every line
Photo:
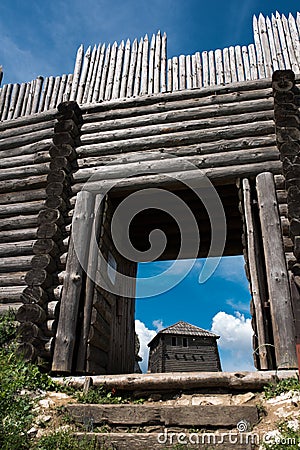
142, 67
226, 131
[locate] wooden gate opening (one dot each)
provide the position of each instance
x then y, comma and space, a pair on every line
104, 339
221, 304
120, 357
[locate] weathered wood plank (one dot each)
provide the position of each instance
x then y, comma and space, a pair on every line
89, 284
77, 255
259, 53
128, 89
118, 72
77, 72
254, 274
276, 271
208, 416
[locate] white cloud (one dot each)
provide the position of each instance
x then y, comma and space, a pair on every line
235, 341
158, 324
238, 305
232, 269
145, 336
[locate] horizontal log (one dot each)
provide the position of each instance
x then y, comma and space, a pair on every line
210, 111
233, 381
22, 196
29, 120
226, 175
15, 223
10, 294
31, 313
15, 263
46, 246
187, 150
23, 171
9, 131
30, 149
203, 416
176, 138
44, 262
34, 294
52, 310
181, 163
49, 215
63, 150
30, 332
18, 235
279, 181
8, 307
17, 248
12, 279
27, 351
39, 277
175, 100
57, 175
201, 124
23, 184
25, 139
21, 208
26, 160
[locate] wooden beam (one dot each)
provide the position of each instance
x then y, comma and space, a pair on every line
77, 254
254, 274
276, 271
90, 285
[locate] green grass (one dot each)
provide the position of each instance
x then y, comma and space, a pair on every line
102, 395
282, 386
288, 438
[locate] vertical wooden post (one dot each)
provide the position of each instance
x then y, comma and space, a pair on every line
254, 275
277, 276
90, 285
66, 329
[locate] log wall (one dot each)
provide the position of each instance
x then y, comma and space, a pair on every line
227, 131
287, 121
128, 69
24, 164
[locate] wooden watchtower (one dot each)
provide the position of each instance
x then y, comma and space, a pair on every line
183, 347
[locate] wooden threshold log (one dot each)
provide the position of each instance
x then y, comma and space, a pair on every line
276, 271
235, 381
77, 257
211, 416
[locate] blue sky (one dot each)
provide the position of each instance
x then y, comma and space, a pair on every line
41, 38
